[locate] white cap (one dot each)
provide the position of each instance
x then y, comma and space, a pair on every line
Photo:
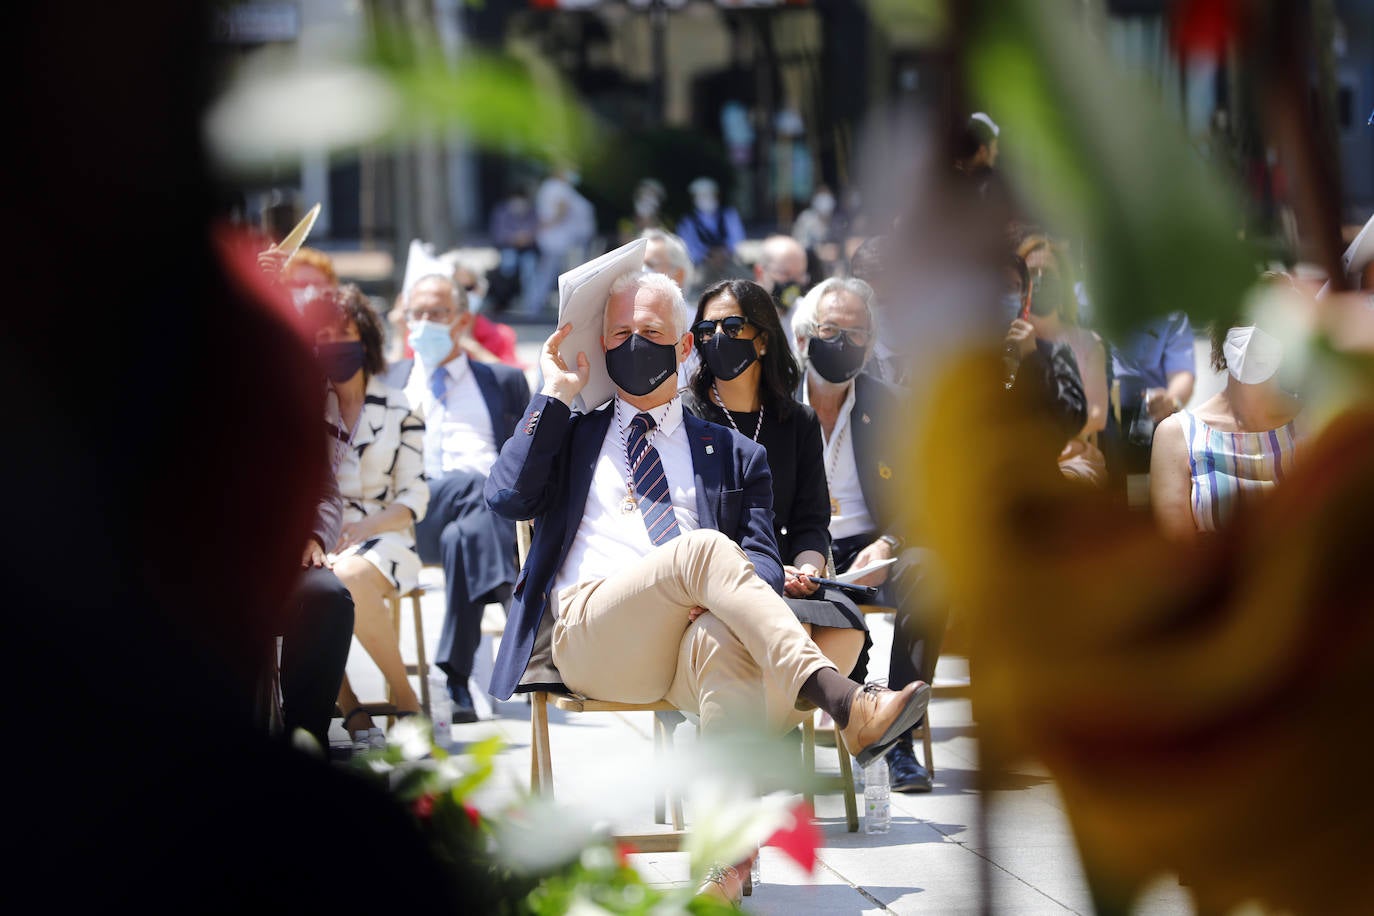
992, 125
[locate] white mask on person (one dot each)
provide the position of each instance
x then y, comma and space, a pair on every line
1252, 354
824, 204
432, 342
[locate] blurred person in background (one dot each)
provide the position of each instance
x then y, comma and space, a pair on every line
712, 234
1235, 446
667, 254
512, 228
869, 263
567, 222
1155, 367
783, 272
469, 409
483, 340
819, 230
710, 229
747, 380
648, 199
976, 155
1053, 315
496, 339
381, 478
834, 329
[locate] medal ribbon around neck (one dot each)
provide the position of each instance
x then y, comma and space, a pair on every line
725, 410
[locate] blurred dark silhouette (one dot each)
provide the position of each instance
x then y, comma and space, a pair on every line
165, 434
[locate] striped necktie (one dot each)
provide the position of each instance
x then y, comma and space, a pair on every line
651, 484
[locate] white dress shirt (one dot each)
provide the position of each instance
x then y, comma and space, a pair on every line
458, 433
842, 473
608, 538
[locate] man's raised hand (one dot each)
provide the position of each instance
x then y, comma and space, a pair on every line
559, 381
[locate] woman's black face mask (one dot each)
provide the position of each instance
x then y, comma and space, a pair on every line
726, 356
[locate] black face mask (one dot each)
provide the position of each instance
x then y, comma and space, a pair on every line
837, 360
784, 297
340, 361
727, 356
639, 365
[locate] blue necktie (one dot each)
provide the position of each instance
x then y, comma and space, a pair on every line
438, 384
651, 484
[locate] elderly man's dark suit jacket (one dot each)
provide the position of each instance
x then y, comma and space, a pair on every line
545, 472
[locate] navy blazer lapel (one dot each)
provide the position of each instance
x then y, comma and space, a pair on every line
584, 451
491, 394
709, 449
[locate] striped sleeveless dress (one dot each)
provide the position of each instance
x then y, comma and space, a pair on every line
1229, 468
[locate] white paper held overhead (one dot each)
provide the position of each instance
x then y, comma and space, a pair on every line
582, 294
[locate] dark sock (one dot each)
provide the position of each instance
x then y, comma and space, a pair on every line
832, 692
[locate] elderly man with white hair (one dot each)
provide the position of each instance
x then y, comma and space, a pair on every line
667, 254
654, 570
835, 335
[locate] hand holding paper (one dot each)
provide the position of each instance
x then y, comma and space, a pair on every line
855, 574
559, 381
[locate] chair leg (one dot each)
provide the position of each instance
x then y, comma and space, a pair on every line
851, 804
809, 758
393, 608
925, 746
660, 794
541, 758
421, 665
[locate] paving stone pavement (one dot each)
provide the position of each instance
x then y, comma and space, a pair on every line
930, 861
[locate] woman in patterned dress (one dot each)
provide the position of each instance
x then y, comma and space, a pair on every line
379, 463
1235, 446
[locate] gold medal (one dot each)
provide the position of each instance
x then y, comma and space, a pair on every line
834, 506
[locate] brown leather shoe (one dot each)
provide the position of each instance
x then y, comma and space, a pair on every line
878, 717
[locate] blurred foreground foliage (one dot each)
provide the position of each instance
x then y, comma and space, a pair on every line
1092, 149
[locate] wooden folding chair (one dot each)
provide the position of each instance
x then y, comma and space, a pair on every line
541, 750
420, 668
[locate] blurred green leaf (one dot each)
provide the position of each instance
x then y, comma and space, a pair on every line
497, 100
1094, 151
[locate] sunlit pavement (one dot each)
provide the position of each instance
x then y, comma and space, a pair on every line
932, 860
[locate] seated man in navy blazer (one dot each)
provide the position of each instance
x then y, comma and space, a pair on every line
653, 554
469, 409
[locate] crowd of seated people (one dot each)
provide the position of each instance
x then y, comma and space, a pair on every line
818, 395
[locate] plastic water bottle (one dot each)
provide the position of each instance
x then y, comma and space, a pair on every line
877, 797
440, 712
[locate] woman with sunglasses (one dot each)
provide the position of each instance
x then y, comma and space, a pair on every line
745, 381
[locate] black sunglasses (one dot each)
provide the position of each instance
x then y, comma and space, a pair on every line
704, 330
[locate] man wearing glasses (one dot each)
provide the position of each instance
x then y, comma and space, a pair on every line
834, 331
470, 409
654, 571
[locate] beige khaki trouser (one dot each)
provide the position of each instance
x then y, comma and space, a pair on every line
627, 637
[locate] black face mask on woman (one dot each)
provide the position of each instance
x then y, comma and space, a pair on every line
727, 356
639, 365
341, 360
836, 360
